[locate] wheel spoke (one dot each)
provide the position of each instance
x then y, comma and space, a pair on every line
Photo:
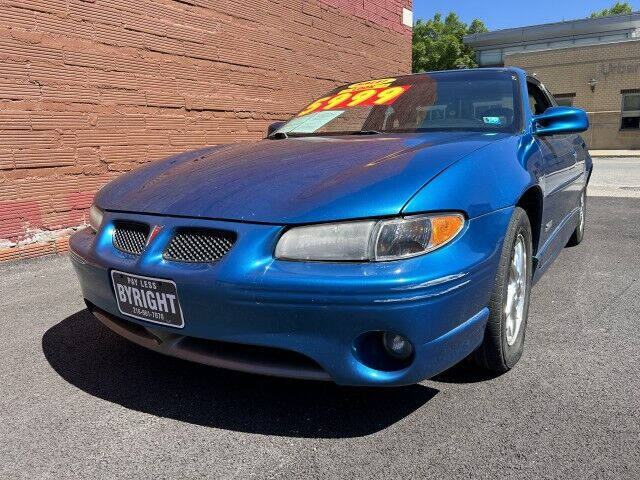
517, 258
509, 326
511, 294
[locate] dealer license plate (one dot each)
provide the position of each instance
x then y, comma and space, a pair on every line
145, 298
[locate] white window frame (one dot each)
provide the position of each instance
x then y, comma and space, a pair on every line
571, 97
628, 113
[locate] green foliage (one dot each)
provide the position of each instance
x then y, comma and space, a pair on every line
437, 44
620, 8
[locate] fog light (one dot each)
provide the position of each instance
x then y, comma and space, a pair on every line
397, 346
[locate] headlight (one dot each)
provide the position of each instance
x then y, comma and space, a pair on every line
370, 240
95, 218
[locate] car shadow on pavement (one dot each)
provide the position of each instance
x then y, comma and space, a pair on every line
464, 372
101, 363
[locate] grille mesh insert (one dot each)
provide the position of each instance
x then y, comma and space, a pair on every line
130, 237
199, 245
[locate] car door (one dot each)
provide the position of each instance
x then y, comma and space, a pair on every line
560, 168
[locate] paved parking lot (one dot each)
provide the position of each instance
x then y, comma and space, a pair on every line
616, 177
76, 401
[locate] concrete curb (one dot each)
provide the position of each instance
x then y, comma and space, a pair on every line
615, 153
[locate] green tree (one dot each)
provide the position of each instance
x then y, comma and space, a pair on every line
437, 44
620, 8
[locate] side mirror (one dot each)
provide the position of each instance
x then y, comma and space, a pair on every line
274, 127
559, 120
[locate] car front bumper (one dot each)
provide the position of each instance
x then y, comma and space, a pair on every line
321, 311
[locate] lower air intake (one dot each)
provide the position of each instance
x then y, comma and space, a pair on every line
199, 245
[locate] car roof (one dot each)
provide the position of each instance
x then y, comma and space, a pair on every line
517, 71
471, 70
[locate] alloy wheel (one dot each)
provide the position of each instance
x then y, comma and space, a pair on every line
582, 212
516, 291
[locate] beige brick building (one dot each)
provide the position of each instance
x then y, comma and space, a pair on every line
92, 88
593, 64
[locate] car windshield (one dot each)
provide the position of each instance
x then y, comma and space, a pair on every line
467, 100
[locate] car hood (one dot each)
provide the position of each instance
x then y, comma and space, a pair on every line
295, 180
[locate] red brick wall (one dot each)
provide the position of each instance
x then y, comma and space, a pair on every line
92, 88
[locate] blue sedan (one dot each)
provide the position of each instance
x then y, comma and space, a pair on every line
386, 232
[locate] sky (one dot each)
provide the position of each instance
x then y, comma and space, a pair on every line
498, 14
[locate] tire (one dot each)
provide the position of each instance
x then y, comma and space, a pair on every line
501, 350
578, 233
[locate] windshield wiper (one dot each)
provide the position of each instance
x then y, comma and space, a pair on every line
366, 132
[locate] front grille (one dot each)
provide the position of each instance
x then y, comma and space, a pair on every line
199, 245
130, 237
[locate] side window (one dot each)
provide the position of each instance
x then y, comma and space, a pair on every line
538, 100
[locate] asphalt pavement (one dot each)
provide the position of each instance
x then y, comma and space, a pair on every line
77, 401
616, 177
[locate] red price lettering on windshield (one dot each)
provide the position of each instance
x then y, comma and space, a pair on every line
357, 98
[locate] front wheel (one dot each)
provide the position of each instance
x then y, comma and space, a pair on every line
503, 341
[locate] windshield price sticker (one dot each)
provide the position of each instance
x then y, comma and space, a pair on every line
357, 96
375, 84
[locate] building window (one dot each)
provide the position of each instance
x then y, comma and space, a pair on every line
565, 99
630, 110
